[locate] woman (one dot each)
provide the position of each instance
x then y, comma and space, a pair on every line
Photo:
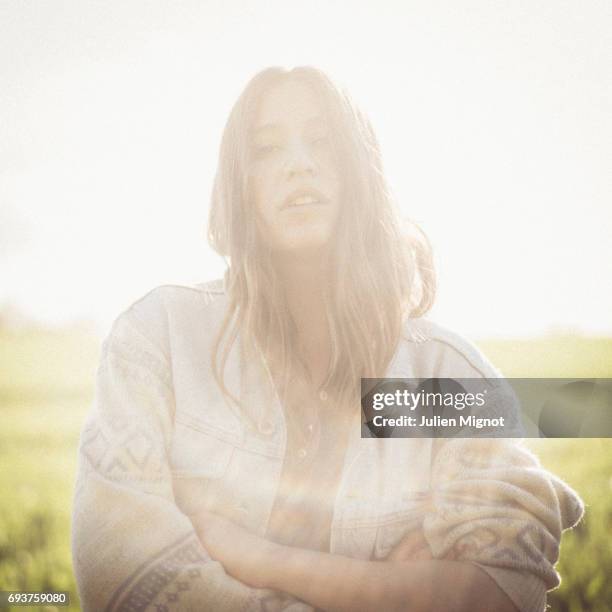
222, 466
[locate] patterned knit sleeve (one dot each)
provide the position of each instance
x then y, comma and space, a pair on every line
495, 506
133, 549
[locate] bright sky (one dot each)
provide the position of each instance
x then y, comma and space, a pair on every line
495, 120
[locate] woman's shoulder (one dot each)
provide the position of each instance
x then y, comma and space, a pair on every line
175, 299
441, 352
170, 296
163, 310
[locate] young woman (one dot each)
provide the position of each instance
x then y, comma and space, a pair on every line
222, 466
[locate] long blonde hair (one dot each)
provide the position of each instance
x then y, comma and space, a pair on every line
382, 270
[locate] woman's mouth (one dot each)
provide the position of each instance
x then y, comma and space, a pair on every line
303, 198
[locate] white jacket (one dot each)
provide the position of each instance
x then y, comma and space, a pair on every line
160, 442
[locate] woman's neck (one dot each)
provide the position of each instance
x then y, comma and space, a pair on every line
305, 283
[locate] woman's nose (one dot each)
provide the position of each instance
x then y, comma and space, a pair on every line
300, 160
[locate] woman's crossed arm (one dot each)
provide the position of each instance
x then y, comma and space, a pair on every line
409, 579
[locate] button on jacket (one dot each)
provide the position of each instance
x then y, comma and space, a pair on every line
161, 442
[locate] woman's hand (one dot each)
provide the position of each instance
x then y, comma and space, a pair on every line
412, 547
243, 554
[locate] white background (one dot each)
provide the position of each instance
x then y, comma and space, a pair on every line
495, 120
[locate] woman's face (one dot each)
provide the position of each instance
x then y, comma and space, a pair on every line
293, 176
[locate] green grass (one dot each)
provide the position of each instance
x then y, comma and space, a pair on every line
586, 554
558, 356
46, 381
46, 389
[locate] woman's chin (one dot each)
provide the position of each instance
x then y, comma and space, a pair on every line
304, 247
313, 239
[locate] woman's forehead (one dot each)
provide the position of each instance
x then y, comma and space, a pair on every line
286, 104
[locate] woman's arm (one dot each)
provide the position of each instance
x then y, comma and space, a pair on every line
340, 584
494, 528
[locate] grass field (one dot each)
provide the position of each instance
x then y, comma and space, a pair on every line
46, 388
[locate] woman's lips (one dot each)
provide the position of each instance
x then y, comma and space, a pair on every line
303, 198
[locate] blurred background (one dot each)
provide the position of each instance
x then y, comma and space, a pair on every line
495, 121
